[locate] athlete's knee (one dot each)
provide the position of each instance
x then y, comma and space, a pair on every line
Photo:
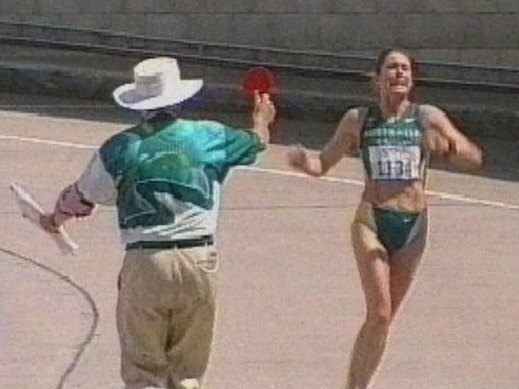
379, 319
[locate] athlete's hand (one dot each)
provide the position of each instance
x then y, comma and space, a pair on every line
438, 144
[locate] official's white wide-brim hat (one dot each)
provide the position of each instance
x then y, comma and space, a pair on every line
157, 84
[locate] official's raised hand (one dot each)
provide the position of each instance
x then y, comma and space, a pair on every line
264, 109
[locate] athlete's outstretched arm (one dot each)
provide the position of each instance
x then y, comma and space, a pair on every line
345, 140
447, 141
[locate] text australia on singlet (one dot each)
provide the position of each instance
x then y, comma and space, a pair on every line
394, 150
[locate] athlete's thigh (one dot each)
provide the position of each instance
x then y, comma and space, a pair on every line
373, 266
405, 263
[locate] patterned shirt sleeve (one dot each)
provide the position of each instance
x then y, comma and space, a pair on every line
228, 147
96, 184
241, 146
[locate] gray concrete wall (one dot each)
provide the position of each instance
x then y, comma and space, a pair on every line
470, 31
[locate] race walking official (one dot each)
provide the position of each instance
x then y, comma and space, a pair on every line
164, 176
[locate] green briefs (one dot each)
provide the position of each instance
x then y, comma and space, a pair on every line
394, 229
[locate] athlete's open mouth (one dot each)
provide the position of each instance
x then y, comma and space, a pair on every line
399, 83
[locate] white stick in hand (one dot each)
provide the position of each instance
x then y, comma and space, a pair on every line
31, 210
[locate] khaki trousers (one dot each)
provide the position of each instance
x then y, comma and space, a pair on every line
165, 316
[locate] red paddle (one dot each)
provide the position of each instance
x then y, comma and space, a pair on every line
259, 79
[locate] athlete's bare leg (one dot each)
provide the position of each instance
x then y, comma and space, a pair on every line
404, 268
371, 340
385, 284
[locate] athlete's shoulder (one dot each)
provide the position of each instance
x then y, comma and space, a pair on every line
428, 113
429, 109
356, 114
357, 118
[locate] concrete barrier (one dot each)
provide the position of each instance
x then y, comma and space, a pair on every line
488, 112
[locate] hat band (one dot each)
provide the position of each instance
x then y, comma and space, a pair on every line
146, 89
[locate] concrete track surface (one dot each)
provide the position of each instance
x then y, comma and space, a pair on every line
290, 301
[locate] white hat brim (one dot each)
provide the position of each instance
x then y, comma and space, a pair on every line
127, 97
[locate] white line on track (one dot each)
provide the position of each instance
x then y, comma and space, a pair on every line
441, 195
47, 142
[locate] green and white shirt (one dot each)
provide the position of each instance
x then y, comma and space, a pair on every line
393, 150
165, 178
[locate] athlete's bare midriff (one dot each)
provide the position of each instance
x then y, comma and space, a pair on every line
398, 195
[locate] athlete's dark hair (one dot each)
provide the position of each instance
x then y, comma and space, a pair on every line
384, 53
415, 70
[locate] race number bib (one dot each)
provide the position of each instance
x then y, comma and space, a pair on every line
394, 162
